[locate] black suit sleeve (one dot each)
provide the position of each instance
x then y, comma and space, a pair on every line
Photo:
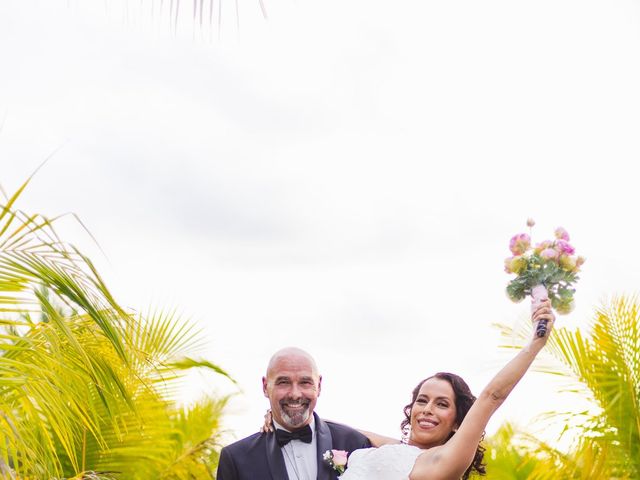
226, 466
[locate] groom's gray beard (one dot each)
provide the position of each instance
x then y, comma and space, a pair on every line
297, 419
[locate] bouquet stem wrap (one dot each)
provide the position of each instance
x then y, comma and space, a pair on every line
538, 295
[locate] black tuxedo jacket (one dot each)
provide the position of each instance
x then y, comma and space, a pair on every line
258, 457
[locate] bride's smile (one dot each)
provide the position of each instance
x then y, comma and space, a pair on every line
426, 423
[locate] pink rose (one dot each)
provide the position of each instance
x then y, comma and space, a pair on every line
339, 458
564, 247
562, 234
542, 246
519, 243
507, 264
549, 254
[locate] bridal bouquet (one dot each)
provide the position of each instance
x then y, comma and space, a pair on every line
546, 271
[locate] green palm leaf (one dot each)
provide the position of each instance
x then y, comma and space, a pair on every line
605, 367
84, 389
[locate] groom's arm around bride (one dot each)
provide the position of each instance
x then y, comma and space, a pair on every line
294, 451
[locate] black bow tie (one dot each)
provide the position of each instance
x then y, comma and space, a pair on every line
304, 434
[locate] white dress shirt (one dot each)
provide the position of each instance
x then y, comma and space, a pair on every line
301, 459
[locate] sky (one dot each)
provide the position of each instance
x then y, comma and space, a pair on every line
339, 176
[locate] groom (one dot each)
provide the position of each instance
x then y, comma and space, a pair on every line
294, 451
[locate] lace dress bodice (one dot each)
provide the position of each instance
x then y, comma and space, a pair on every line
389, 462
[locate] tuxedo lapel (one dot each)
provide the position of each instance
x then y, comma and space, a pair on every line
324, 442
274, 458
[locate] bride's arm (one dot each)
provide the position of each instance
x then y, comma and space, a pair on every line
452, 459
378, 440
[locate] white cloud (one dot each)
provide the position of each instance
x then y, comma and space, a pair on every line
344, 177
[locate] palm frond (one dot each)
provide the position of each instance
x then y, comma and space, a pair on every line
83, 388
605, 363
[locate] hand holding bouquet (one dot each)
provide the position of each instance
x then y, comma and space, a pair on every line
547, 270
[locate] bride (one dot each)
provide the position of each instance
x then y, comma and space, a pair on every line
445, 424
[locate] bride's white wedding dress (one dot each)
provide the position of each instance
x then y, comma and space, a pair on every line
389, 462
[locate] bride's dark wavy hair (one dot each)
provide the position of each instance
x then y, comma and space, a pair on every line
463, 399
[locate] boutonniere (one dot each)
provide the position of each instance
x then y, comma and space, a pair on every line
337, 459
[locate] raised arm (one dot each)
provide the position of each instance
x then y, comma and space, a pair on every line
451, 460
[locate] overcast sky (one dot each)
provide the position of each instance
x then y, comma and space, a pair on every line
342, 176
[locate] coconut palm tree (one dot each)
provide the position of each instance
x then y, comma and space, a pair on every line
85, 386
604, 365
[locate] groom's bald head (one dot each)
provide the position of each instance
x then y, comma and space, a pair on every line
292, 355
292, 384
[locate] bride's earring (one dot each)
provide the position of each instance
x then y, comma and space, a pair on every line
406, 434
